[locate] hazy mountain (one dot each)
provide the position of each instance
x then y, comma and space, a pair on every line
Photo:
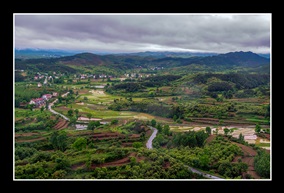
235, 58
124, 62
229, 59
168, 54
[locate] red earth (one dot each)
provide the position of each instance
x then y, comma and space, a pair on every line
248, 157
119, 162
62, 124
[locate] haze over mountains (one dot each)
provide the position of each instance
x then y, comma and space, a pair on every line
30, 53
144, 60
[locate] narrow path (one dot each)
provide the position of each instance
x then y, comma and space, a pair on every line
150, 140
54, 112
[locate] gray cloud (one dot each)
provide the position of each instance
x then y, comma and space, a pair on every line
131, 33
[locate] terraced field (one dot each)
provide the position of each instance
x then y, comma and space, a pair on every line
62, 124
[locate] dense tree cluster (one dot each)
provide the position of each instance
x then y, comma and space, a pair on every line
129, 87
241, 81
215, 156
262, 164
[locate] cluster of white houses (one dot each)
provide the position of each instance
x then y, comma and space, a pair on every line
38, 102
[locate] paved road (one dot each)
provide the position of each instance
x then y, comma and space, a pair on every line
54, 112
203, 174
149, 146
149, 142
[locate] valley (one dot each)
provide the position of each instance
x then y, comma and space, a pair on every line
209, 113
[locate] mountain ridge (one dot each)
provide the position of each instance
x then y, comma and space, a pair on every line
123, 62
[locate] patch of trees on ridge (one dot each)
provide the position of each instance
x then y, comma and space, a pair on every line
154, 81
241, 81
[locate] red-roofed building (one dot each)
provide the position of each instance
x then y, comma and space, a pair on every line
37, 102
46, 96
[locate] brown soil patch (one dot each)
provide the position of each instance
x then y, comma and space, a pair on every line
248, 151
213, 121
107, 135
148, 133
25, 134
30, 140
138, 159
87, 119
126, 144
75, 166
63, 108
210, 138
62, 124
166, 164
119, 162
135, 136
248, 158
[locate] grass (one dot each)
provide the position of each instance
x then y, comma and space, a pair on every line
263, 144
264, 121
233, 129
180, 128
25, 112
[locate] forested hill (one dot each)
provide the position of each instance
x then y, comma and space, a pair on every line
83, 60
249, 59
235, 58
123, 62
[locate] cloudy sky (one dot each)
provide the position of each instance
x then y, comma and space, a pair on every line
134, 33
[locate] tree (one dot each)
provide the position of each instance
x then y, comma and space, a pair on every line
71, 91
267, 113
72, 121
208, 130
70, 113
62, 163
226, 131
58, 140
262, 164
153, 122
59, 174
46, 105
93, 124
137, 144
42, 108
77, 112
166, 130
89, 115
113, 122
30, 106
241, 137
159, 127
257, 128
80, 143
97, 123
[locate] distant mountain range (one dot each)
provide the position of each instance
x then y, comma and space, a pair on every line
128, 61
55, 53
169, 54
39, 53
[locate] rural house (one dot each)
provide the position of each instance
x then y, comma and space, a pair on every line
37, 102
46, 96
55, 94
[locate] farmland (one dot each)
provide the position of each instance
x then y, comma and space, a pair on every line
212, 122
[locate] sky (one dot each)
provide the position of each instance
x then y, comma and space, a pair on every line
119, 33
